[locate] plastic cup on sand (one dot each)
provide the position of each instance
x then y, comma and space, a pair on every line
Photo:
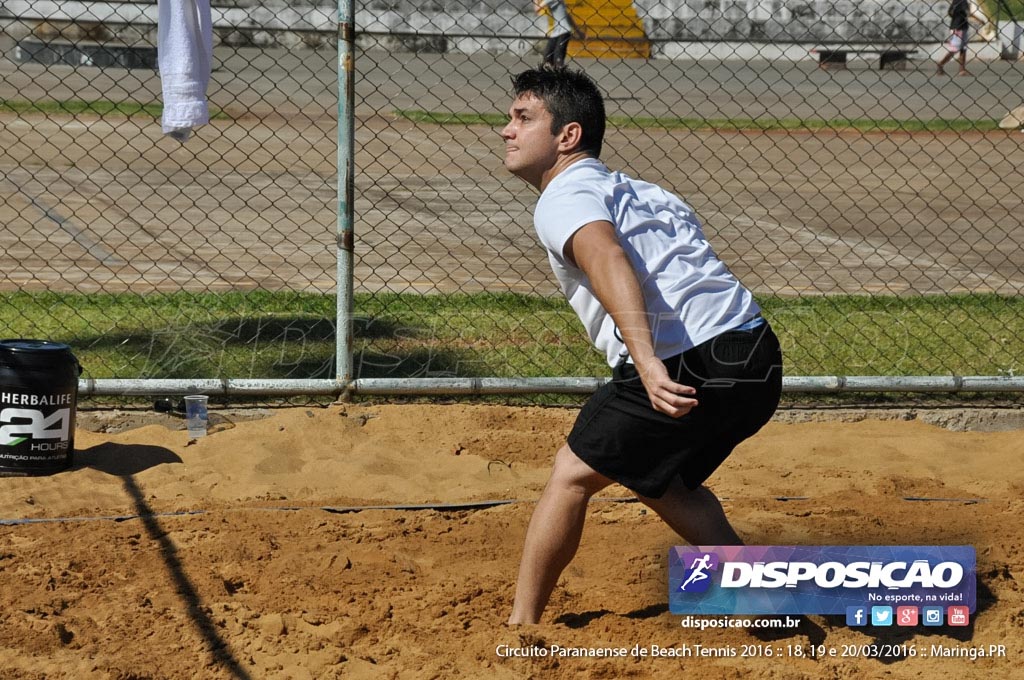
196, 415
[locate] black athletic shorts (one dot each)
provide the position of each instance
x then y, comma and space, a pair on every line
738, 377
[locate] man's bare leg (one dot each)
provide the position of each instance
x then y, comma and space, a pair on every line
554, 533
963, 65
696, 515
942, 63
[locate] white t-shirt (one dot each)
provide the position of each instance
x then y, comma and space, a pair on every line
690, 295
561, 24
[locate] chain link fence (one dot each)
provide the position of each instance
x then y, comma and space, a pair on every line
875, 208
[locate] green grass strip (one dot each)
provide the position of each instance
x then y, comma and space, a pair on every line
75, 107
291, 335
1004, 10
726, 124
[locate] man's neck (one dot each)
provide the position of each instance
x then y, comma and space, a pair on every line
560, 166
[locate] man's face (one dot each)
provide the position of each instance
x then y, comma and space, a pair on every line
530, 148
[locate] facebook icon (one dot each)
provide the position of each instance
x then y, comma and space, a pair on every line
856, 616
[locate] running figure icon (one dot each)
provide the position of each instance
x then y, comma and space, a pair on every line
698, 569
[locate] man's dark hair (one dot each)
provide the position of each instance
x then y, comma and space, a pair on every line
571, 97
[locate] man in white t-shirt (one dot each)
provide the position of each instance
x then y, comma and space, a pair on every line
696, 369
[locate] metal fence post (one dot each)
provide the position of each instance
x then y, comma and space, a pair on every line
346, 188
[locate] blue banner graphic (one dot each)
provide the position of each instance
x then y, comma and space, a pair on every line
869, 585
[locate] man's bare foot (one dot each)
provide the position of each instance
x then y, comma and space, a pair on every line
963, 72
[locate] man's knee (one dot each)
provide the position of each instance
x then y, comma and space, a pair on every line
571, 473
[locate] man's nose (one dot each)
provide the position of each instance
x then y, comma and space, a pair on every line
506, 132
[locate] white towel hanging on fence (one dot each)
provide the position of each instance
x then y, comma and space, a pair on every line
184, 52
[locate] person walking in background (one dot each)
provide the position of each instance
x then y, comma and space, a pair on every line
960, 13
562, 28
696, 368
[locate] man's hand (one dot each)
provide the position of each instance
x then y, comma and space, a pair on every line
667, 396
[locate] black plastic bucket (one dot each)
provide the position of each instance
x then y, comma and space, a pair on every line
38, 397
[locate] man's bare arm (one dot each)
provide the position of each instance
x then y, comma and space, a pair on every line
596, 250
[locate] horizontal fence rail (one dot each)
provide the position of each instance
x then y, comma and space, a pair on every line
243, 388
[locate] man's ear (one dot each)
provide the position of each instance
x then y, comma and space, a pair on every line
572, 136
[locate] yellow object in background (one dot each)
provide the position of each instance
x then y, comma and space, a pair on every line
612, 29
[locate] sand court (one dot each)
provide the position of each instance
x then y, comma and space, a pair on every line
290, 545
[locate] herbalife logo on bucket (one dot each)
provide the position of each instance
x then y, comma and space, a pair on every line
818, 579
19, 424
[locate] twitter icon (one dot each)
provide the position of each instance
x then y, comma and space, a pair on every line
881, 616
